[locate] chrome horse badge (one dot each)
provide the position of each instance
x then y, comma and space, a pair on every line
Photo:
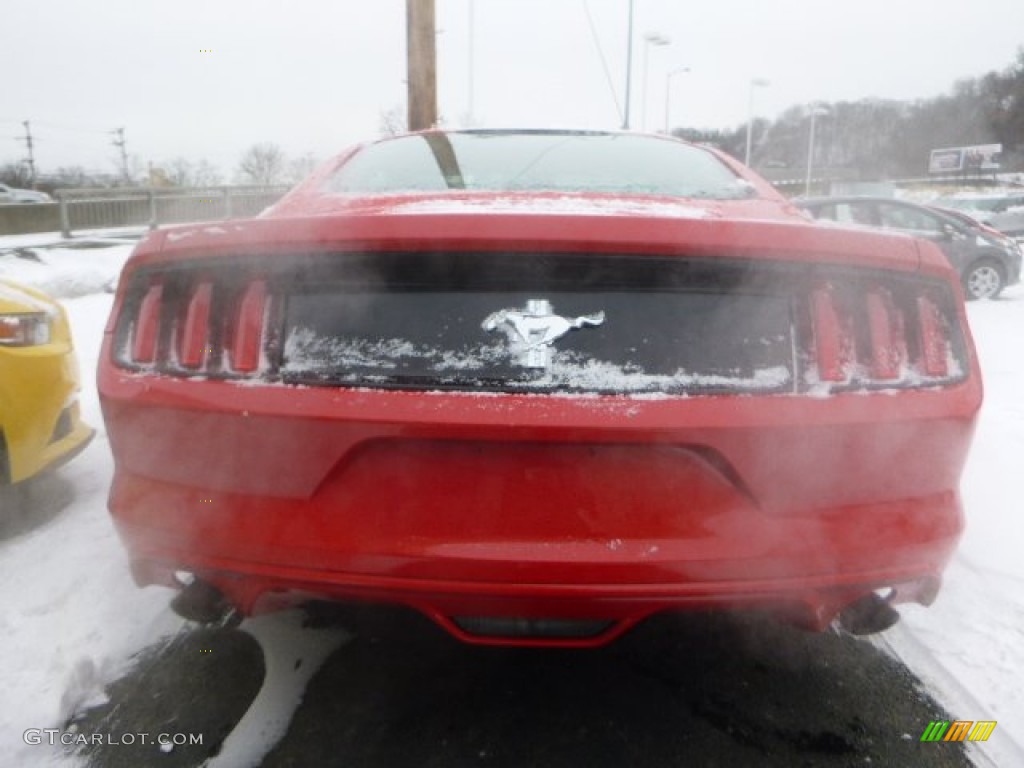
532, 331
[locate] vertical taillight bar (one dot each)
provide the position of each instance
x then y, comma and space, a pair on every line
934, 341
147, 325
887, 334
832, 345
248, 341
195, 335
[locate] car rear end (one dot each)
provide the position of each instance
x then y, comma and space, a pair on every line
770, 414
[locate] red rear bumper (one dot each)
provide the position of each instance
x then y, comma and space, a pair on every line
533, 507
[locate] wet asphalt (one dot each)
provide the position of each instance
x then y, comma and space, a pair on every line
679, 690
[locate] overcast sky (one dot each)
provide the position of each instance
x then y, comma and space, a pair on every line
208, 78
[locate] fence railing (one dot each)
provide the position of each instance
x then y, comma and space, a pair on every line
154, 206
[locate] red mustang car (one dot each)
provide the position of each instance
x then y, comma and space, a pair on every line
539, 385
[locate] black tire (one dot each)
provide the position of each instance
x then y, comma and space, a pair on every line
984, 279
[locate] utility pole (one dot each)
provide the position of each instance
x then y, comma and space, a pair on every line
31, 161
422, 64
122, 146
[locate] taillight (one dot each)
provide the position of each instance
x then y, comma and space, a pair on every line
248, 341
194, 326
871, 335
147, 325
194, 344
832, 335
887, 335
934, 330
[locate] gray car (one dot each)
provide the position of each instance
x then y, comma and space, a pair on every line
987, 260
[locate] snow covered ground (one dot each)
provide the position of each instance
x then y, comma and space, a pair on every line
72, 617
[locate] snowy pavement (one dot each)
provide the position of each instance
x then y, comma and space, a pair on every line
73, 618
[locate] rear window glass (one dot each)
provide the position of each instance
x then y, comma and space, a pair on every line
539, 161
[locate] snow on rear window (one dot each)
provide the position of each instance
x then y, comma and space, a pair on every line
348, 360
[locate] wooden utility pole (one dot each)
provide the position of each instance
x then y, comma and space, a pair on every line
422, 64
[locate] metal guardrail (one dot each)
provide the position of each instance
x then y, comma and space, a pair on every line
154, 206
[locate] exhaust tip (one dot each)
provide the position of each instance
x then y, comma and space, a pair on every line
203, 603
868, 615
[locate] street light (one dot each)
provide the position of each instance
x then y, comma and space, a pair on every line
629, 67
816, 111
651, 38
756, 82
668, 92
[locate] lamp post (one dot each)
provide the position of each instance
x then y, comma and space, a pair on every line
756, 82
651, 38
668, 92
816, 111
629, 67
471, 69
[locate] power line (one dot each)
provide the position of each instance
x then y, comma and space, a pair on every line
604, 62
58, 126
65, 127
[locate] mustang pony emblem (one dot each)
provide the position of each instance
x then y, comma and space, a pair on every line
532, 331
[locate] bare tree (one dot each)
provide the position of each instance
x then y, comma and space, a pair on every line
15, 175
300, 167
392, 122
179, 172
262, 164
206, 174
73, 176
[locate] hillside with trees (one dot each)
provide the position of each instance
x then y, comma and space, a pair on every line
874, 139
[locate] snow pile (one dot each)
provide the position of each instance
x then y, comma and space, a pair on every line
74, 268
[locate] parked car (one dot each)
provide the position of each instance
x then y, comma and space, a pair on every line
1004, 212
539, 385
40, 425
986, 260
13, 195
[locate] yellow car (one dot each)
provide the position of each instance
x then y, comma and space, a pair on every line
40, 426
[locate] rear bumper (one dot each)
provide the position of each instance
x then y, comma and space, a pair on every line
609, 510
902, 546
809, 602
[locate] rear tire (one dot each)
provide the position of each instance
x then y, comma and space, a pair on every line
983, 280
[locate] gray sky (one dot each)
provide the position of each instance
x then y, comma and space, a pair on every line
316, 75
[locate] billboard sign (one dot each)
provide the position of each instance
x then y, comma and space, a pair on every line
981, 157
